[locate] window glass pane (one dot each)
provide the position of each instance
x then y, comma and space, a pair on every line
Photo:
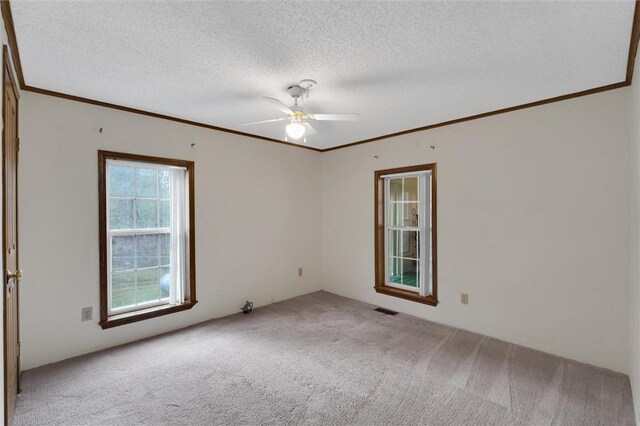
120, 181
410, 272
394, 270
122, 255
410, 244
395, 189
120, 213
410, 189
123, 289
394, 211
164, 181
165, 281
393, 242
146, 183
165, 213
146, 214
165, 248
147, 251
148, 285
410, 214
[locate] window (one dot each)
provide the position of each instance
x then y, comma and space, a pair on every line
405, 233
147, 251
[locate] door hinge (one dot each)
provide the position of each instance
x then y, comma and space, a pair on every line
19, 349
17, 144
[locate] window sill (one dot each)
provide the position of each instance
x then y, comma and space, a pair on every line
135, 316
407, 295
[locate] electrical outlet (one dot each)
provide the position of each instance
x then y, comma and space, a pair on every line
464, 298
87, 314
299, 272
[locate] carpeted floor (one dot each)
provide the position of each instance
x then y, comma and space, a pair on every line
321, 358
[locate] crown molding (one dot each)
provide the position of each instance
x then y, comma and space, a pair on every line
486, 114
161, 116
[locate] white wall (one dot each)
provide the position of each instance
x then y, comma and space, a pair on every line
533, 223
257, 221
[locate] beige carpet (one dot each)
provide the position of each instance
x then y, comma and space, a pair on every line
322, 359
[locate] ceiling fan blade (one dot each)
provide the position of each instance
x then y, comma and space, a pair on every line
276, 103
335, 117
310, 130
264, 121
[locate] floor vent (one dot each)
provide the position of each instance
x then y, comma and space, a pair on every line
386, 311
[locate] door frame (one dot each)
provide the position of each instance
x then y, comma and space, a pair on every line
7, 70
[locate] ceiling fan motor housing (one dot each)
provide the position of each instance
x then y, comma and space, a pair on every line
295, 91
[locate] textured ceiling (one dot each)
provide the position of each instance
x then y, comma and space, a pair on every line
400, 65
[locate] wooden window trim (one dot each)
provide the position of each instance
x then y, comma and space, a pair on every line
107, 321
141, 315
379, 231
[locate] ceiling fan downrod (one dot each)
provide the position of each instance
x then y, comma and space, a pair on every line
298, 91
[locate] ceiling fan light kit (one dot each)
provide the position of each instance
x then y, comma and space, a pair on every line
297, 120
295, 129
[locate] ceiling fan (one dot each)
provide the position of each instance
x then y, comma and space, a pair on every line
298, 121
